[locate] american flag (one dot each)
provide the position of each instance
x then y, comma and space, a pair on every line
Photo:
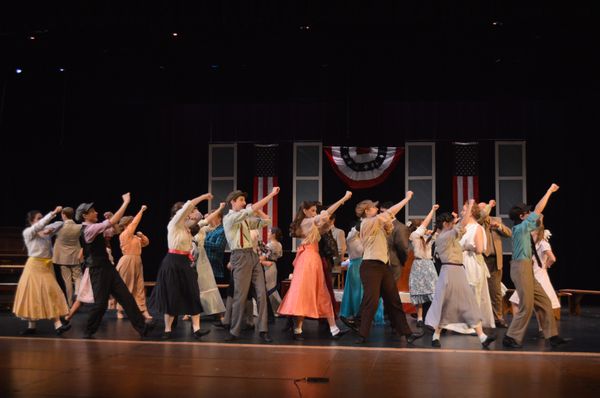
465, 181
265, 178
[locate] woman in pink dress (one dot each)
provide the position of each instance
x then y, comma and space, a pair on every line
308, 295
130, 264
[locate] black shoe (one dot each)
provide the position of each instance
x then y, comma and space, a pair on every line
556, 341
265, 337
221, 325
148, 326
298, 337
64, 320
166, 335
436, 343
351, 323
231, 338
509, 342
488, 340
200, 332
61, 329
501, 324
410, 338
339, 334
28, 332
420, 324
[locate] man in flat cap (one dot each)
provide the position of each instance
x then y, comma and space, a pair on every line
104, 277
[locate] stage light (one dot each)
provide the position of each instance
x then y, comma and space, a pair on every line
174, 34
305, 27
19, 71
61, 69
497, 23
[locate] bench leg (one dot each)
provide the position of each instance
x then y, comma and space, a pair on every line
575, 304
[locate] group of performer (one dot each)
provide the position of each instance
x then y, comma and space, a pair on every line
466, 297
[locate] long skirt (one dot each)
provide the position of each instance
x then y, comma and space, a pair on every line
38, 294
421, 281
271, 282
210, 297
308, 295
353, 294
176, 291
132, 272
453, 300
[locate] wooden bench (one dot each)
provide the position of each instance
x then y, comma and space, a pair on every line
7, 293
575, 296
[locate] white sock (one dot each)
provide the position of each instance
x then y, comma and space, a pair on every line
57, 324
482, 337
334, 330
420, 319
436, 336
297, 330
31, 325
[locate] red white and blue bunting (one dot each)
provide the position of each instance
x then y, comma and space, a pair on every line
363, 167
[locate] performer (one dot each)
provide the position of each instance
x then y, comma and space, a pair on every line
38, 294
210, 297
105, 279
67, 253
130, 264
273, 252
308, 295
423, 276
494, 230
247, 270
543, 258
531, 294
376, 276
454, 300
176, 291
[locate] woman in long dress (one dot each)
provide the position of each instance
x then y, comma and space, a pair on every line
38, 294
130, 265
454, 300
308, 295
423, 275
210, 297
474, 243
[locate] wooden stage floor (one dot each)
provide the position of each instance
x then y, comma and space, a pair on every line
117, 364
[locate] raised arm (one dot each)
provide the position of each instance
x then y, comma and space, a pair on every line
187, 208
331, 209
465, 219
136, 220
215, 213
539, 208
261, 203
398, 206
117, 216
31, 231
427, 219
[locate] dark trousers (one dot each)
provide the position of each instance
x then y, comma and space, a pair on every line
378, 281
327, 267
495, 286
106, 281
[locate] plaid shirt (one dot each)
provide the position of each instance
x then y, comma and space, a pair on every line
214, 245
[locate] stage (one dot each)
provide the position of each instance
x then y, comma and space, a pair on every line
116, 363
